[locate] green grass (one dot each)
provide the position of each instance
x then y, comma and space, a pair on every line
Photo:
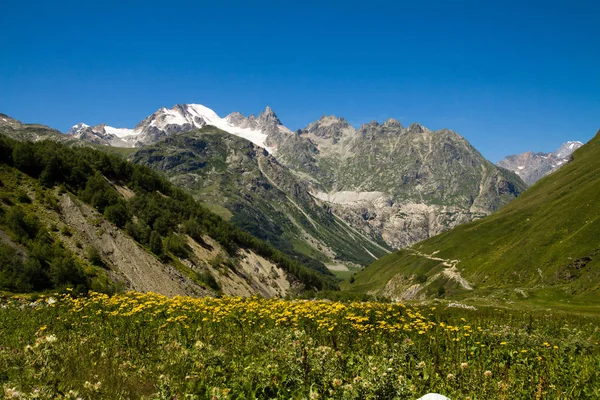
545, 242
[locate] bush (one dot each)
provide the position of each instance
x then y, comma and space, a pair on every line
94, 256
156, 245
117, 214
177, 245
64, 271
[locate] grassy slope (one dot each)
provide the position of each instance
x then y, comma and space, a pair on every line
545, 241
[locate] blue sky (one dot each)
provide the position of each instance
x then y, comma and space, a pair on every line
509, 76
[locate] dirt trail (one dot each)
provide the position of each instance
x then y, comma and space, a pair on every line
451, 272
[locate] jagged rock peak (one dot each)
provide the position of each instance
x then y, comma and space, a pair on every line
370, 130
392, 123
237, 118
417, 128
268, 116
329, 119
532, 166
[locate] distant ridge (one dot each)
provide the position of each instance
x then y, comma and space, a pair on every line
532, 166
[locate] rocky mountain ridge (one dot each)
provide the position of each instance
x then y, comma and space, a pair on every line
403, 184
398, 184
532, 166
182, 118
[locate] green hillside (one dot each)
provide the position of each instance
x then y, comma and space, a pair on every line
543, 246
36, 177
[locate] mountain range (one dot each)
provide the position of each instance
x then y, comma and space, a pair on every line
330, 196
182, 118
388, 185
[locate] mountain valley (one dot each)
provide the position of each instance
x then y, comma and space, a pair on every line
541, 247
386, 185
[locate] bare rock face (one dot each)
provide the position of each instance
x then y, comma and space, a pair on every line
401, 184
129, 263
532, 166
399, 224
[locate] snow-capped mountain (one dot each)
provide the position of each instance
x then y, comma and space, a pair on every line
532, 166
184, 118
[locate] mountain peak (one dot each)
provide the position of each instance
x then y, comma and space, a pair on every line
327, 120
417, 128
532, 166
567, 148
268, 116
5, 120
392, 123
75, 129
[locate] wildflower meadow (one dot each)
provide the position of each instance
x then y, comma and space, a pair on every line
147, 346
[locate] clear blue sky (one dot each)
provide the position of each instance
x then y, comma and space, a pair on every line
508, 75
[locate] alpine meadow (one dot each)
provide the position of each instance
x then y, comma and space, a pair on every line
299, 200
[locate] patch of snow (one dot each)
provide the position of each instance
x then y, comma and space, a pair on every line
371, 254
256, 136
119, 132
521, 167
78, 127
